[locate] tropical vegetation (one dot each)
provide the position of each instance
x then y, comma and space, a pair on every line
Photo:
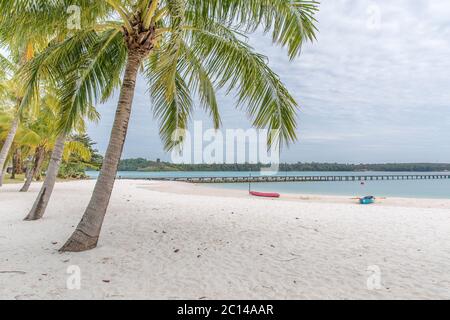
32, 148
144, 165
187, 50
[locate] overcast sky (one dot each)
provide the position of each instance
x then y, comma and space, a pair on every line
375, 87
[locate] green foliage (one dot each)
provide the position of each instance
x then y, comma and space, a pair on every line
141, 164
199, 47
80, 155
71, 170
134, 164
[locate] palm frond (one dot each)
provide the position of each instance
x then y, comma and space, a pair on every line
233, 64
198, 80
52, 65
94, 78
171, 100
292, 22
30, 138
36, 20
7, 67
76, 148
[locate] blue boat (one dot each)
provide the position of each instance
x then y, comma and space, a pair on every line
367, 200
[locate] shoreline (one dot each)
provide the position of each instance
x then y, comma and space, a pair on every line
184, 188
161, 242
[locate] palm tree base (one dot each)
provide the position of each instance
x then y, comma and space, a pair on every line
79, 242
31, 218
38, 210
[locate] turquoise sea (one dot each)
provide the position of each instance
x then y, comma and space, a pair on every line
434, 189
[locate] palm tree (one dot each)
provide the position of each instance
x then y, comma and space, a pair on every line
6, 116
8, 68
21, 52
36, 138
23, 32
53, 66
62, 145
17, 162
41, 136
185, 48
63, 148
25, 19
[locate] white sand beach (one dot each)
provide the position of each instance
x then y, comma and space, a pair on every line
176, 241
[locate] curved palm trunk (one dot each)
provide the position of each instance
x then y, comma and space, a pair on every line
34, 170
28, 179
87, 233
14, 165
38, 210
7, 146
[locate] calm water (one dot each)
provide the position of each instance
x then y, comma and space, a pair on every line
439, 189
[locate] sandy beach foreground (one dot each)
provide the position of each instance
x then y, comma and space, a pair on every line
173, 241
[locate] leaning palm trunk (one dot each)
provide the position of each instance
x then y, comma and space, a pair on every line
34, 170
38, 210
28, 179
87, 233
7, 146
17, 163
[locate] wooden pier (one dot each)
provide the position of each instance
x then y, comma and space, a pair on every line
257, 179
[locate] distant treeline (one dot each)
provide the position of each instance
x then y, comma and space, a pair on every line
141, 164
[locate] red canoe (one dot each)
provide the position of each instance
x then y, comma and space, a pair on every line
265, 195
